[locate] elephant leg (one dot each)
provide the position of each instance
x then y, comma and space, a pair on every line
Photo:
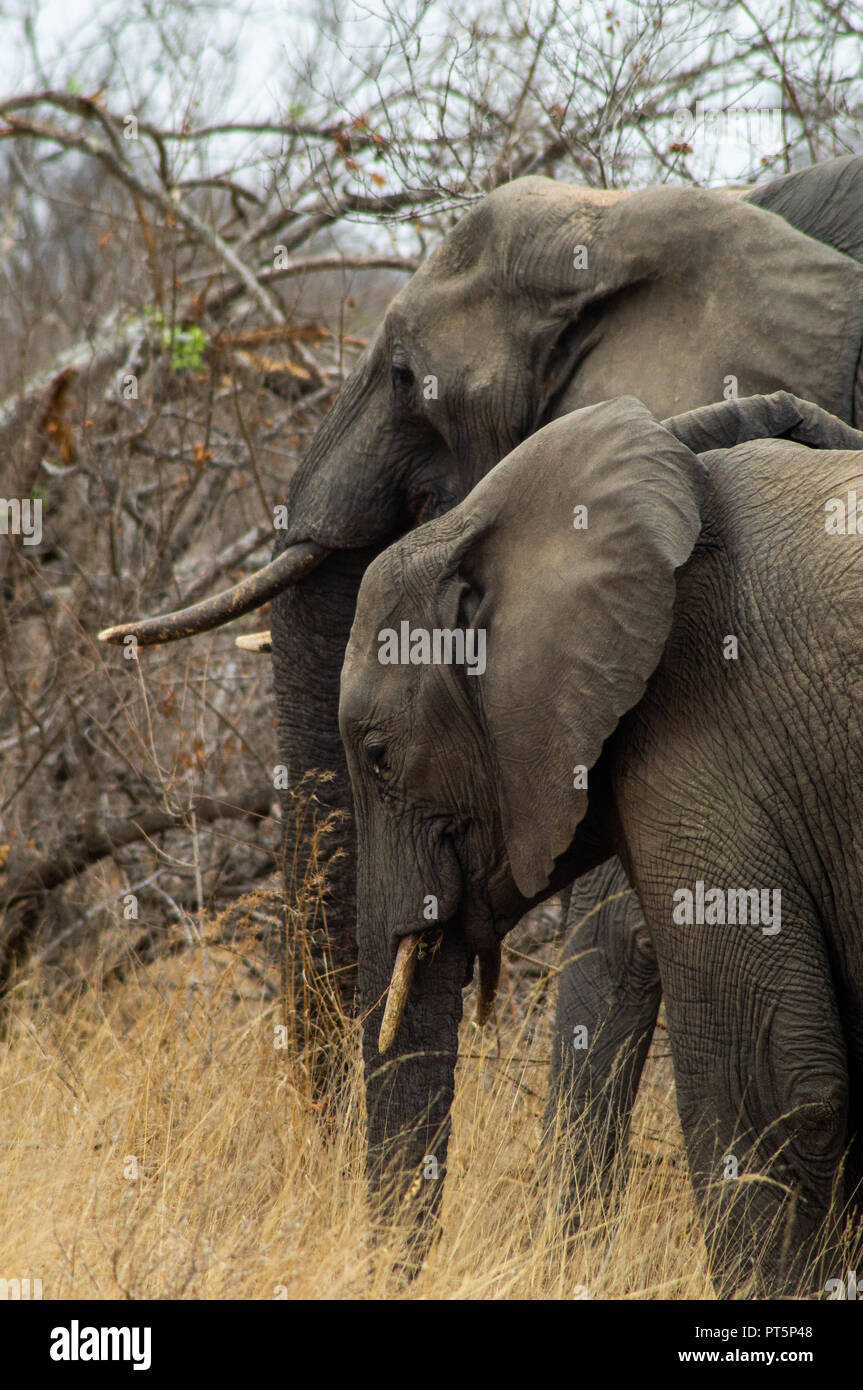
606, 1012
853, 1184
851, 1012
761, 1074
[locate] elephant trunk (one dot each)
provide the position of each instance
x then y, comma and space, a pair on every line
410, 1085
409, 1093
336, 502
351, 497
310, 627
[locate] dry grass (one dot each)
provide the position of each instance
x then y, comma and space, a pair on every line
156, 1144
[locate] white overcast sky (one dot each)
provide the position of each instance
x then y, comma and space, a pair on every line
65, 32
272, 36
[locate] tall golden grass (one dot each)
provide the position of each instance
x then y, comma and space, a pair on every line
156, 1143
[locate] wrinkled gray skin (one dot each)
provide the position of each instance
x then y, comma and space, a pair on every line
682, 288
606, 648
610, 991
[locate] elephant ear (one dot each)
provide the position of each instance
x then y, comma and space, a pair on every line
667, 292
572, 543
825, 201
778, 416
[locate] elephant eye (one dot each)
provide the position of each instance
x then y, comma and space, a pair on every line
403, 377
377, 757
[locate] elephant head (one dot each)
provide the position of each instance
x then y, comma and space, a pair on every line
568, 621
546, 297
494, 655
543, 298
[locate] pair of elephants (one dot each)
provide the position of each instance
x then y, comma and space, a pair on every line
669, 678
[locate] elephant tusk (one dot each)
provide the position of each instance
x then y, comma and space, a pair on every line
489, 974
257, 589
403, 972
254, 642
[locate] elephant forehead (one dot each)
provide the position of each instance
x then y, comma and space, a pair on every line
380, 604
399, 589
403, 577
435, 308
518, 221
363, 644
380, 587
373, 690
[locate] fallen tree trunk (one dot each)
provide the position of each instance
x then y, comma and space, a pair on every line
27, 878
90, 842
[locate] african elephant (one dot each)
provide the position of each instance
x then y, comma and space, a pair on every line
544, 297
642, 639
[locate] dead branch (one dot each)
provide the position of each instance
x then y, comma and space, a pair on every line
27, 877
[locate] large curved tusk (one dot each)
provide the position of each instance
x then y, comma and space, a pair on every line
259, 588
254, 642
403, 973
489, 974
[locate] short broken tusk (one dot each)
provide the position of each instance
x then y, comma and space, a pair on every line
489, 974
397, 996
254, 642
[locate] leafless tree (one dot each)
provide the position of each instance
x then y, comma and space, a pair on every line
183, 290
